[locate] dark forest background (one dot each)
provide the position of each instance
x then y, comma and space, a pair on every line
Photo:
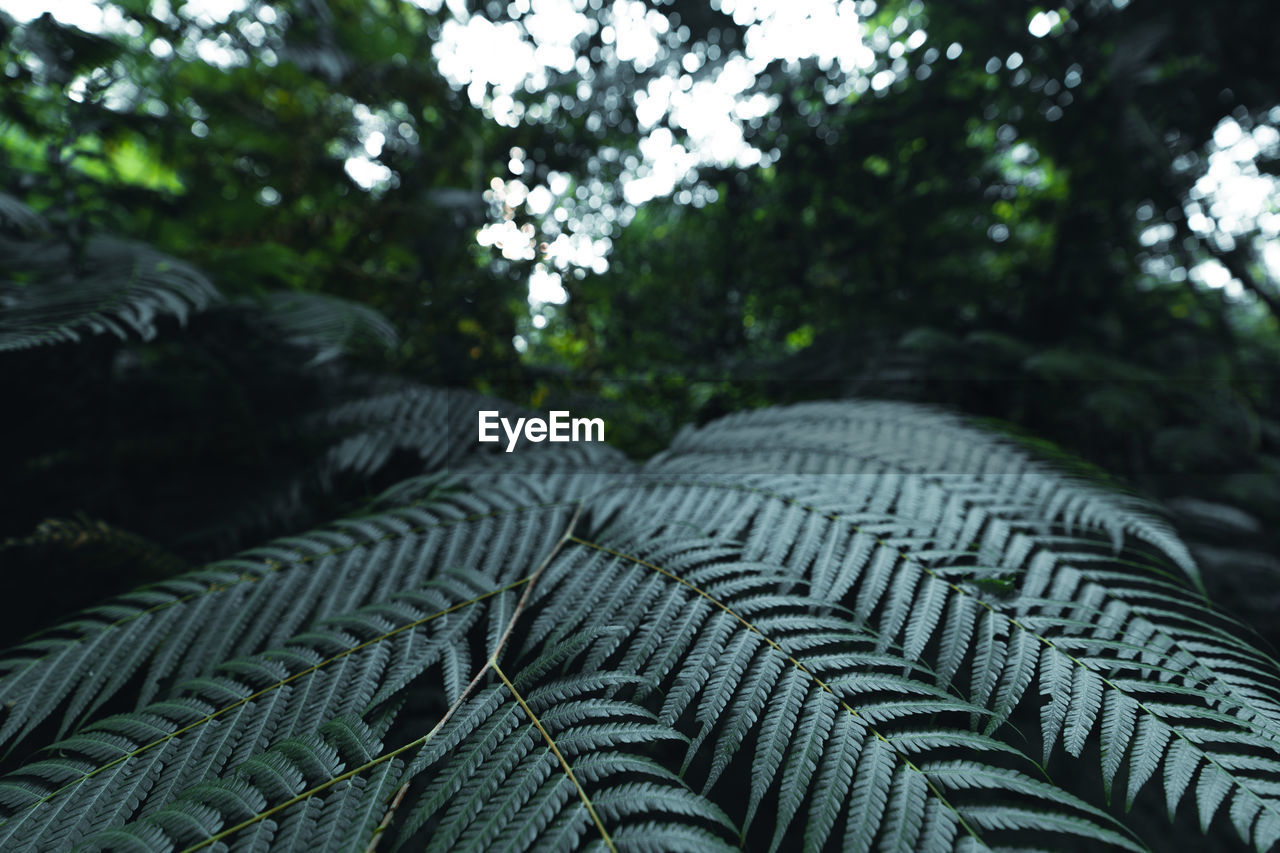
1013, 214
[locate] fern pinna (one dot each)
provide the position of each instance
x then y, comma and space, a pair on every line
842, 626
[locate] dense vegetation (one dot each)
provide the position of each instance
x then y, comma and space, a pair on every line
242, 294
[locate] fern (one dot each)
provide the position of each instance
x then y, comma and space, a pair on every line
329, 325
830, 626
51, 293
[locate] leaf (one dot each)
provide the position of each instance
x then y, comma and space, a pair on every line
709, 656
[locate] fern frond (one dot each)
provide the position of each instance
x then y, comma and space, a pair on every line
505, 748
706, 656
208, 724
1205, 666
184, 627
1067, 609
47, 295
921, 443
329, 325
801, 676
289, 774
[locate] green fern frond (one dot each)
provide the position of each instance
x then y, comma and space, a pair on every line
803, 694
186, 626
329, 325
316, 769
720, 648
339, 668
48, 295
899, 439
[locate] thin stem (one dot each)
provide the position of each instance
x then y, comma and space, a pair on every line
564, 764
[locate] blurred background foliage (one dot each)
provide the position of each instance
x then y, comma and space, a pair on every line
1061, 217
